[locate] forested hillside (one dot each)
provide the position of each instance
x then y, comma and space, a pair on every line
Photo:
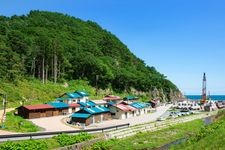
55, 47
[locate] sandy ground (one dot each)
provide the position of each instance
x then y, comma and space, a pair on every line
7, 110
57, 123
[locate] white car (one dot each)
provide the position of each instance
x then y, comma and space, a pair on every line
161, 119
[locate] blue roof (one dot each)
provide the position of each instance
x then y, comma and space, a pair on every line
139, 105
82, 93
111, 103
89, 103
96, 110
74, 95
80, 115
59, 104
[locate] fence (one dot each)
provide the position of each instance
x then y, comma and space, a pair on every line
39, 135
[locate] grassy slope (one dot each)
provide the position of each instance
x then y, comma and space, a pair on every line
211, 142
214, 137
33, 91
149, 140
18, 124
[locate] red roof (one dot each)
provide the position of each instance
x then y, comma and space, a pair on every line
39, 106
152, 101
125, 107
131, 108
74, 105
111, 97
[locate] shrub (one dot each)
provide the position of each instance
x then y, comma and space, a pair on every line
24, 145
65, 139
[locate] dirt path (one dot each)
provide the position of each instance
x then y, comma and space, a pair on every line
7, 110
52, 123
3, 132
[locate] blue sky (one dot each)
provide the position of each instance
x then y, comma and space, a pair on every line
180, 38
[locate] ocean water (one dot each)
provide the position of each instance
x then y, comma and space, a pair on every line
212, 97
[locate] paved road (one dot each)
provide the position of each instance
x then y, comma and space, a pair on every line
56, 123
155, 125
135, 120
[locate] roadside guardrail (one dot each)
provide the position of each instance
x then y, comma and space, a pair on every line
40, 135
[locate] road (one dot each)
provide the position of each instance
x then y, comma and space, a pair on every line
153, 126
135, 120
58, 123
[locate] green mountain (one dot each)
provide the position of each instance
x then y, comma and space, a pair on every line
56, 47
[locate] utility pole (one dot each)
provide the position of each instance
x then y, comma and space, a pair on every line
4, 98
96, 84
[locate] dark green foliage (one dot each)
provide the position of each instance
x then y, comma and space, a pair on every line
56, 47
65, 139
25, 145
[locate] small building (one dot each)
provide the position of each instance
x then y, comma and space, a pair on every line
87, 104
195, 106
61, 108
101, 103
155, 103
73, 97
142, 108
70, 98
112, 98
36, 111
84, 95
220, 104
184, 105
74, 107
130, 98
87, 116
122, 111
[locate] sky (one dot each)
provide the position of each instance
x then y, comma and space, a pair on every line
182, 39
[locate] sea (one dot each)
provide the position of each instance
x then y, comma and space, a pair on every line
211, 97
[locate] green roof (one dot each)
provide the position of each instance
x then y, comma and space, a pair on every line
130, 97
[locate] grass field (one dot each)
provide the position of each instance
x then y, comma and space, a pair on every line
210, 137
149, 140
18, 124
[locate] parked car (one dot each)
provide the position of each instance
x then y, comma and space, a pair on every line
161, 119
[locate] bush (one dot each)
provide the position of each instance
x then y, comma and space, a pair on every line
64, 139
25, 145
102, 145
